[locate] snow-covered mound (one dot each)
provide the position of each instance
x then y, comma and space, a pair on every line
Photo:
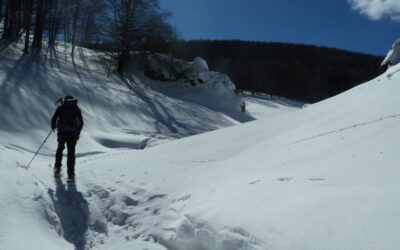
195, 74
393, 56
200, 64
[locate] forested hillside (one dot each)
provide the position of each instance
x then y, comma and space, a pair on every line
302, 72
125, 25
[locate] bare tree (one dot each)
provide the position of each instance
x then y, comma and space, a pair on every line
127, 25
131, 23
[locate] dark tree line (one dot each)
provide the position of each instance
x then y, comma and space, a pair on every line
300, 72
121, 25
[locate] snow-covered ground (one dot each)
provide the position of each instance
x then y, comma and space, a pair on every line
261, 106
321, 177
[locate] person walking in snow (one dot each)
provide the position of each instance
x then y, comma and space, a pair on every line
69, 122
243, 107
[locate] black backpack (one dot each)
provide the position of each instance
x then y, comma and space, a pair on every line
69, 120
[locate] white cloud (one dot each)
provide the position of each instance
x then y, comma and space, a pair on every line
377, 9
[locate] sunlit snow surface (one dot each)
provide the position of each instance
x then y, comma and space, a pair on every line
325, 176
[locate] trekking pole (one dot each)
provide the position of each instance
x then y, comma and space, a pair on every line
37, 152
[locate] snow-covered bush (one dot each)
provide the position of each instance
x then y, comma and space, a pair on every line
166, 68
393, 56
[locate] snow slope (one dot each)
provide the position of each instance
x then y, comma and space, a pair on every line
117, 112
324, 177
262, 106
321, 177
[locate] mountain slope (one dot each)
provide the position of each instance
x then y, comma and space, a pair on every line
324, 177
321, 177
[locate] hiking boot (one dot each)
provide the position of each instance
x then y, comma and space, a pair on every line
57, 172
71, 177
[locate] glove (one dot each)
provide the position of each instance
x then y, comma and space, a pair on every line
77, 137
53, 128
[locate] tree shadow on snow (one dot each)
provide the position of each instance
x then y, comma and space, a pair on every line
73, 212
4, 43
165, 119
52, 56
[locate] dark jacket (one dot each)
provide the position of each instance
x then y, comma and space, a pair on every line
67, 114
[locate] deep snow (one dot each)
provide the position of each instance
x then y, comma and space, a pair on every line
321, 177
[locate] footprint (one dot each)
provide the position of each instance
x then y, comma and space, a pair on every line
286, 179
316, 179
130, 202
254, 182
185, 197
156, 196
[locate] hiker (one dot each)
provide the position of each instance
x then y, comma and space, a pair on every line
243, 107
68, 121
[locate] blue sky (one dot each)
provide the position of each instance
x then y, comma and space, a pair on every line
357, 26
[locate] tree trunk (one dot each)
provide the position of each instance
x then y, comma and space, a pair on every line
7, 33
66, 22
28, 21
122, 60
5, 18
125, 37
54, 22
39, 25
75, 27
1, 9
87, 31
19, 18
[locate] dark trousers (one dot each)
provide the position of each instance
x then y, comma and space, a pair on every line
70, 139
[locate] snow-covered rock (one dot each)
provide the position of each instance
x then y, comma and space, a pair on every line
166, 68
393, 56
200, 65
194, 83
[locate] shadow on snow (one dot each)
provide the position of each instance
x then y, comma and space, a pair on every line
73, 212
